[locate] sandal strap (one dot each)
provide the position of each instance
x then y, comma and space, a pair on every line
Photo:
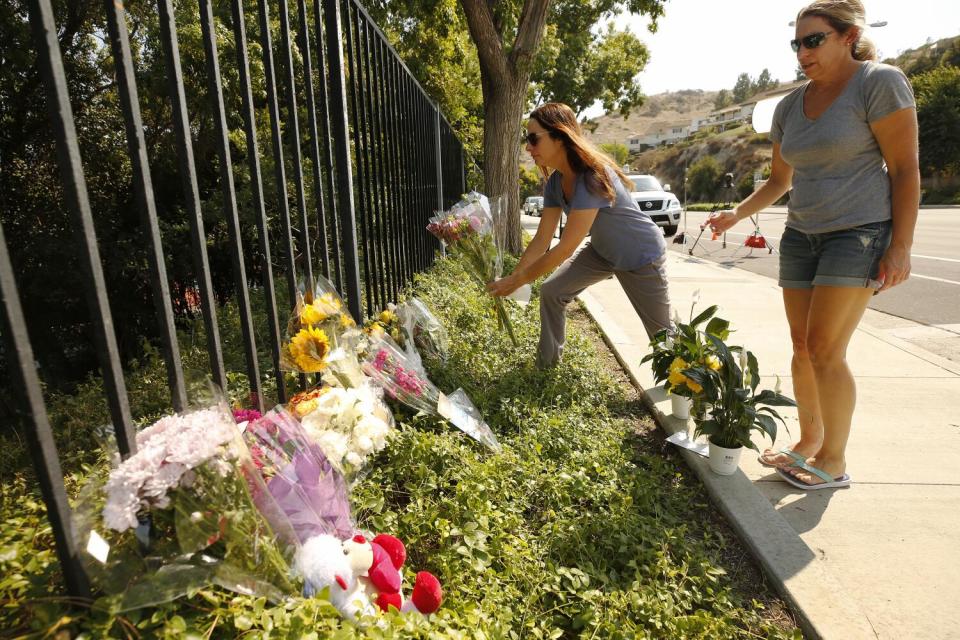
820, 473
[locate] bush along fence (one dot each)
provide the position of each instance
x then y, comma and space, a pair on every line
377, 159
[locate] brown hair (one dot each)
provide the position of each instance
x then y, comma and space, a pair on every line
844, 15
561, 124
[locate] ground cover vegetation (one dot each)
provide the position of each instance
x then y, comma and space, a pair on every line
587, 525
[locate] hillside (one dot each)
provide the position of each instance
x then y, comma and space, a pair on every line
658, 110
928, 56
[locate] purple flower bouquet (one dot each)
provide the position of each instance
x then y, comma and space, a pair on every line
302, 486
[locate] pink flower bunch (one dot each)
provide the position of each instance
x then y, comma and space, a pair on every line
406, 379
451, 228
168, 452
246, 415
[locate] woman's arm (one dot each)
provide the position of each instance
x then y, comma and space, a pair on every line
549, 219
897, 136
781, 177
578, 224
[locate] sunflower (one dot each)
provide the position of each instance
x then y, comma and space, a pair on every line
309, 349
311, 315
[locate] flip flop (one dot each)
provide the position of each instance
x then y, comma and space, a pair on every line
829, 482
785, 451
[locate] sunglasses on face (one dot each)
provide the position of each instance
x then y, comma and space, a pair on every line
532, 138
811, 41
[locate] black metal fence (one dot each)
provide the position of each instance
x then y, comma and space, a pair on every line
379, 155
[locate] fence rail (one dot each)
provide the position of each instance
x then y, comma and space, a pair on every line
378, 157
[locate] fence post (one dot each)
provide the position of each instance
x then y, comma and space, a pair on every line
23, 375
339, 128
438, 150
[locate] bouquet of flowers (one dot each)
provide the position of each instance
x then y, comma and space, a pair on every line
389, 367
422, 330
178, 514
387, 322
470, 228
315, 329
308, 490
348, 424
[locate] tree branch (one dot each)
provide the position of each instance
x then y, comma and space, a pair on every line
484, 33
533, 20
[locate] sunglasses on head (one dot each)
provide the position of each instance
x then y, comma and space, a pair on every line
532, 138
811, 41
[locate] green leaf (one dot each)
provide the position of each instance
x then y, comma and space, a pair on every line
707, 313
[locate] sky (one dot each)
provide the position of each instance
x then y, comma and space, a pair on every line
704, 44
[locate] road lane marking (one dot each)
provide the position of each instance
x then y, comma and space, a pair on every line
917, 275
917, 255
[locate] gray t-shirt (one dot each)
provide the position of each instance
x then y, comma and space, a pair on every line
839, 176
622, 234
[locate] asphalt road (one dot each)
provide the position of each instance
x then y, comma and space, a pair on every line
931, 296
924, 310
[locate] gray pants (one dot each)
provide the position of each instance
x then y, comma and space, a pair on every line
646, 288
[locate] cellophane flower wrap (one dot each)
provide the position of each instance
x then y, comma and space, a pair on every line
302, 486
470, 228
387, 322
348, 424
401, 380
315, 329
423, 332
178, 515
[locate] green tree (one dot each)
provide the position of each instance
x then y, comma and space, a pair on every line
703, 178
617, 151
743, 89
581, 68
765, 81
723, 99
938, 114
531, 182
508, 34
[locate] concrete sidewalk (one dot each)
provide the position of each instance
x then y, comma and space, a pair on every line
880, 559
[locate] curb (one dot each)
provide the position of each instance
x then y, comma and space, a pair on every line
794, 570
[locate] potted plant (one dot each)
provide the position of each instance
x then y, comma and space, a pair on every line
735, 407
685, 345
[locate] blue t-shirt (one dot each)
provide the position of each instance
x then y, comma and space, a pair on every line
621, 233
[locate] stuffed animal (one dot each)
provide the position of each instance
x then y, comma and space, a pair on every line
364, 576
323, 561
427, 594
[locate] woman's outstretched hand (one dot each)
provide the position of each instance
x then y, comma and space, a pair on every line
720, 221
503, 286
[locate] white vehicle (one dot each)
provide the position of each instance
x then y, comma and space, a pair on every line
657, 202
533, 206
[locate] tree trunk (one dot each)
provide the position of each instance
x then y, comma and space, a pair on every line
505, 77
503, 102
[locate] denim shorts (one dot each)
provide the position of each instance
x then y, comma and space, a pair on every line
844, 258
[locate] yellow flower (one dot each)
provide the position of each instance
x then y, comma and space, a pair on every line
305, 407
346, 321
678, 364
309, 349
387, 316
713, 362
311, 315
375, 329
693, 386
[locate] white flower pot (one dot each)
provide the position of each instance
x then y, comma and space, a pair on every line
724, 461
680, 406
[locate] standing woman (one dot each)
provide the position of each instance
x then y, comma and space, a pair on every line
847, 143
588, 186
